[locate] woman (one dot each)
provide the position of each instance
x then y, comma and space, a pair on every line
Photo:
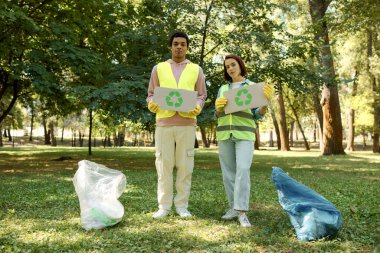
236, 135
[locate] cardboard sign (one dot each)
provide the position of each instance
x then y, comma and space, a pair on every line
175, 99
246, 97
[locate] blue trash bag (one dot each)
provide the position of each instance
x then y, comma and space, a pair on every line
312, 216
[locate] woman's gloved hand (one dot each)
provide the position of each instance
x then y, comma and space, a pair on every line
152, 106
220, 103
268, 91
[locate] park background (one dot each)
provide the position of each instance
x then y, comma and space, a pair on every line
74, 71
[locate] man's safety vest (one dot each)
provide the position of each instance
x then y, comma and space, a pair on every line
240, 124
186, 81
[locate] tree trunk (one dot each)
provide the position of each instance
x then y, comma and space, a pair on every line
46, 132
62, 133
73, 138
90, 133
81, 139
109, 143
332, 122
257, 141
319, 113
351, 119
16, 88
271, 144
275, 126
214, 134
307, 147
376, 93
206, 144
196, 143
10, 137
291, 140
284, 136
318, 109
51, 131
351, 130
13, 137
1, 136
31, 124
153, 140
120, 137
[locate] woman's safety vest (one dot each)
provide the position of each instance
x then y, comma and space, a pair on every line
186, 81
240, 124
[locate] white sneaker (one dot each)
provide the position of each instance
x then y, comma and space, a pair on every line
161, 213
183, 212
230, 214
244, 222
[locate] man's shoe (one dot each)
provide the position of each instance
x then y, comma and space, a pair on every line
183, 212
161, 214
230, 214
244, 222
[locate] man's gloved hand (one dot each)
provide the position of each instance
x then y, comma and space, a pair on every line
152, 106
268, 91
220, 103
196, 111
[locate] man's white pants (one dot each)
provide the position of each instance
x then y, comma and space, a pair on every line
174, 147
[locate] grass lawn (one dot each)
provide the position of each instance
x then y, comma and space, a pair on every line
39, 209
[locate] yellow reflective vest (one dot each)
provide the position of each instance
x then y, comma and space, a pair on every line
240, 124
186, 81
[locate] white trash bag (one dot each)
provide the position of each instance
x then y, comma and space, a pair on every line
98, 189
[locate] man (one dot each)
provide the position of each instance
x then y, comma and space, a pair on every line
175, 131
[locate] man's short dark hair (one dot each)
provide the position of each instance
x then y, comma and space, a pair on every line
177, 35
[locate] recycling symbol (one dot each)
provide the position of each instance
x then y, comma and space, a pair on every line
177, 96
241, 93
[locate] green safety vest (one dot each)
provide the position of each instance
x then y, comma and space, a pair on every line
240, 124
187, 81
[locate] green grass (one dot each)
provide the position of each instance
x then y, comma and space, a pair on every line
39, 210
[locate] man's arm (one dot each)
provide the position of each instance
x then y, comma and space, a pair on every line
153, 83
200, 87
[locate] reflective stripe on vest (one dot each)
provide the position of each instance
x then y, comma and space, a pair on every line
240, 124
186, 81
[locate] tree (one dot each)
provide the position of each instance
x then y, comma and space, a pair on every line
350, 58
332, 122
360, 18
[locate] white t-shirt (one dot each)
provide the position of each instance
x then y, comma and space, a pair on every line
236, 85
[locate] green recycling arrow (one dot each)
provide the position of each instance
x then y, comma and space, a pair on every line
248, 98
169, 97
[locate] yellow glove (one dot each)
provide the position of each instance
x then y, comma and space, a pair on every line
152, 106
220, 103
196, 111
268, 91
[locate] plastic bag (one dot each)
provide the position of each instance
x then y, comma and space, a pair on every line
98, 189
311, 215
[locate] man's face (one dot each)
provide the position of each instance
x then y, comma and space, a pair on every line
179, 48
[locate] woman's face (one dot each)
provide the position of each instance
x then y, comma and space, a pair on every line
233, 68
